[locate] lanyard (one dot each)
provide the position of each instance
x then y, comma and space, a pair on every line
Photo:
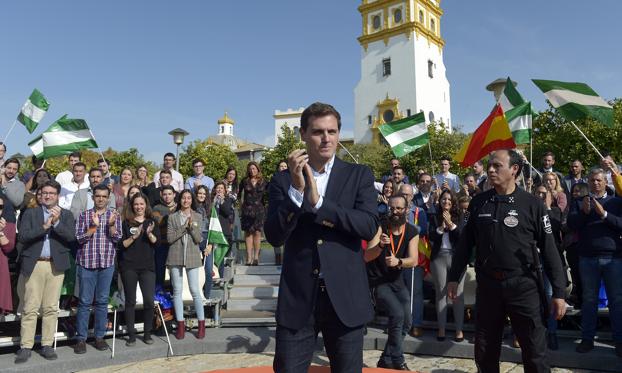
402, 234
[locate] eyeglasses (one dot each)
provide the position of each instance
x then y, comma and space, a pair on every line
48, 193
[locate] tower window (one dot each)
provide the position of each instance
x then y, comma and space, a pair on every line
397, 15
386, 67
408, 112
430, 69
222, 129
433, 25
421, 19
375, 21
369, 120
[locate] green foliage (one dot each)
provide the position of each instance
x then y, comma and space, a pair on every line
217, 158
288, 141
376, 156
553, 133
128, 158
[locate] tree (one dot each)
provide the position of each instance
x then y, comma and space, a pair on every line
128, 158
217, 158
376, 156
553, 133
288, 142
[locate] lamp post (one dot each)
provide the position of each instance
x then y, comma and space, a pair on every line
178, 138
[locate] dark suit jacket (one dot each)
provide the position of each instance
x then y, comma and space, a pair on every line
31, 236
418, 201
327, 241
436, 239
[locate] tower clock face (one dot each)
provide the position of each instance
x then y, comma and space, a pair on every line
388, 116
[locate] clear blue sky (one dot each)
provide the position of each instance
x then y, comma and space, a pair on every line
137, 69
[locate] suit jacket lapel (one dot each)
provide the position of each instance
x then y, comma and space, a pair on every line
336, 180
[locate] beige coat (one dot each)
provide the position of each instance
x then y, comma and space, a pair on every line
178, 255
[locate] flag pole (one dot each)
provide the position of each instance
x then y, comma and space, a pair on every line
588, 140
98, 148
431, 159
347, 151
10, 130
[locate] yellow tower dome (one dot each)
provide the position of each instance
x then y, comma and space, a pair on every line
226, 119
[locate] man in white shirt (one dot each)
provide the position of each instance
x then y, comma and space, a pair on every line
445, 179
169, 164
78, 181
66, 177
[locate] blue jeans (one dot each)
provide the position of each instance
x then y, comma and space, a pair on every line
592, 271
416, 302
93, 283
394, 299
209, 264
193, 283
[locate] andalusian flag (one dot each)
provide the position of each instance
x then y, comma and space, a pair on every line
519, 120
63, 137
576, 101
406, 135
510, 98
217, 238
33, 111
493, 134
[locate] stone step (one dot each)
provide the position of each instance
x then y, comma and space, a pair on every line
258, 270
251, 304
259, 292
256, 280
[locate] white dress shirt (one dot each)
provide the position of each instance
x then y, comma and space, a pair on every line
321, 180
67, 191
65, 177
177, 183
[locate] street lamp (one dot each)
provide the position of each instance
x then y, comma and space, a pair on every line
178, 138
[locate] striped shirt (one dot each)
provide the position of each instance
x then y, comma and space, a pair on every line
98, 250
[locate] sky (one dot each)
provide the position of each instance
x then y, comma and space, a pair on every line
134, 70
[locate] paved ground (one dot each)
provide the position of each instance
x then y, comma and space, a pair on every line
210, 362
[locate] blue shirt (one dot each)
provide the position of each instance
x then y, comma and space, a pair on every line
45, 251
205, 180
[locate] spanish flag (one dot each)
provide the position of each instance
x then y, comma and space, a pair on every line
491, 135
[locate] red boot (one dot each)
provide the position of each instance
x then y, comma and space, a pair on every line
201, 333
181, 330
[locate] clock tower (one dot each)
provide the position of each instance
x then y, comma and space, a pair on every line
402, 69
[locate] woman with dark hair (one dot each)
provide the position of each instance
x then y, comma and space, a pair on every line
134, 189
40, 177
137, 263
223, 204
202, 196
444, 234
231, 182
383, 198
184, 236
252, 211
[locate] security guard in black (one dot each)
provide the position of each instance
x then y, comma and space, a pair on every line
501, 226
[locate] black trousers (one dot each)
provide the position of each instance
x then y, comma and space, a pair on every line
394, 299
146, 279
344, 345
572, 256
517, 297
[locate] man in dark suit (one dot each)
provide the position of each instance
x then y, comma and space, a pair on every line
46, 233
321, 209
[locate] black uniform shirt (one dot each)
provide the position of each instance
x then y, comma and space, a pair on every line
378, 271
502, 228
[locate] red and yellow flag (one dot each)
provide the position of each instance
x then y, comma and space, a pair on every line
493, 134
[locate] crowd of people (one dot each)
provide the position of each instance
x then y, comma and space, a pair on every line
85, 226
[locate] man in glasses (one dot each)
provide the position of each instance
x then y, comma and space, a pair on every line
46, 233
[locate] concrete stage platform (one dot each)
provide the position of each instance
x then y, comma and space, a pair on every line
261, 339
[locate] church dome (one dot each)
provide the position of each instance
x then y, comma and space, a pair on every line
226, 119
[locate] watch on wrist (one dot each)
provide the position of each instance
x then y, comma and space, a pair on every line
399, 262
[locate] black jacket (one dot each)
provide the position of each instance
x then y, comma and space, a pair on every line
326, 241
436, 238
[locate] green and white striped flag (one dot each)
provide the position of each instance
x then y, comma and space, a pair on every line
217, 238
576, 101
510, 98
63, 137
33, 111
519, 120
406, 135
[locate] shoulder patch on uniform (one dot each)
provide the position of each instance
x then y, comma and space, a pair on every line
546, 224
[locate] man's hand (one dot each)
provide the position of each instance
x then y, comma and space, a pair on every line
452, 290
95, 219
445, 185
2, 224
197, 183
113, 218
611, 166
558, 308
392, 261
384, 240
598, 208
296, 162
313, 196
585, 205
208, 250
